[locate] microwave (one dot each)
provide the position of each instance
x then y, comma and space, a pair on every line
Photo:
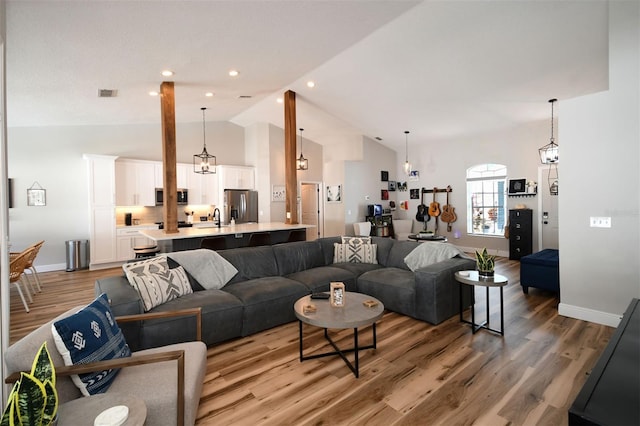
182, 195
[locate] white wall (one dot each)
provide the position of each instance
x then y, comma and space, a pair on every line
52, 156
443, 163
599, 268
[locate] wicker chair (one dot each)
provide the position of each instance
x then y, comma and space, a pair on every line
16, 274
34, 250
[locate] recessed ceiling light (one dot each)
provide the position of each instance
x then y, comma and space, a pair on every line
234, 73
311, 84
167, 73
153, 93
279, 100
208, 94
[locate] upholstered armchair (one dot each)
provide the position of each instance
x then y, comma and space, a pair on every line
168, 379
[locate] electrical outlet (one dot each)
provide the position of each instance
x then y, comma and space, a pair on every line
600, 222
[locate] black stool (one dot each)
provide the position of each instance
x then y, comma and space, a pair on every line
146, 251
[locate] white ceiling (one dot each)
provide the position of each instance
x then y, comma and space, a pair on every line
440, 69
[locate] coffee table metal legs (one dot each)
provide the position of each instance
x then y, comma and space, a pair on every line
355, 366
485, 324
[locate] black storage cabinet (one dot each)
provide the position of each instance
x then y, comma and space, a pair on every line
520, 233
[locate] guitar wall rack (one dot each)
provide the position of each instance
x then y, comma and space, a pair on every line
430, 191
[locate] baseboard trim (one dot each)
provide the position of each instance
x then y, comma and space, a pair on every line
591, 315
50, 268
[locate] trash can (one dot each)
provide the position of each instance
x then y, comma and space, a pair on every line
77, 254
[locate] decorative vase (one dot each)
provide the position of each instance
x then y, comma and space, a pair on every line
485, 273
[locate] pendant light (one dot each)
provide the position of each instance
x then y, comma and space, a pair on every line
549, 156
204, 163
407, 164
549, 152
302, 163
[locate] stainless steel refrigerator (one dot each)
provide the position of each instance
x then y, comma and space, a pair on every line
240, 204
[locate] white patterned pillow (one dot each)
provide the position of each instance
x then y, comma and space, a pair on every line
156, 282
362, 253
356, 241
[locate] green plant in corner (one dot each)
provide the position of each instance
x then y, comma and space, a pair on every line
33, 401
485, 261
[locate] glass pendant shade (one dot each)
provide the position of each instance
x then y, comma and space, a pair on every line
302, 163
204, 163
407, 165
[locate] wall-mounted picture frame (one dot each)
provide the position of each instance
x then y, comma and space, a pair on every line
384, 175
278, 193
384, 194
402, 186
36, 195
337, 294
334, 194
414, 194
391, 185
414, 176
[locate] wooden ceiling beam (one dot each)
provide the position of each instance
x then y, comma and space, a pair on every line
169, 180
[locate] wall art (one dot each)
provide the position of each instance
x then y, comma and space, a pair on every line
334, 193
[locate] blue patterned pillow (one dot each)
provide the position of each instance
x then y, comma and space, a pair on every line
91, 335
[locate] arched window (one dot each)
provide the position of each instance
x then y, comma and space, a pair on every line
486, 199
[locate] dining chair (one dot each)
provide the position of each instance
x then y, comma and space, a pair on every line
16, 274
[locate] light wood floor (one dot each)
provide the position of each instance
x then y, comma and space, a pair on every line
420, 374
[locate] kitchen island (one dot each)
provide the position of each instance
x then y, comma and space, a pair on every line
235, 235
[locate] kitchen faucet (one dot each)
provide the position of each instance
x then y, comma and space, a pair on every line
214, 216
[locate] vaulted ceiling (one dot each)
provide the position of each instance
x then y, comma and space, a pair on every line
440, 69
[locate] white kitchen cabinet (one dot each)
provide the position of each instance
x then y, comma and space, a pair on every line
236, 177
128, 238
102, 209
183, 172
203, 189
135, 183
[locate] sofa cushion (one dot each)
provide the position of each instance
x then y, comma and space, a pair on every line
268, 301
319, 279
298, 256
195, 285
156, 282
210, 269
398, 252
355, 253
251, 262
428, 253
91, 335
394, 287
357, 269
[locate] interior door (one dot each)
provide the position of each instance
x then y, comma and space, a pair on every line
310, 208
548, 209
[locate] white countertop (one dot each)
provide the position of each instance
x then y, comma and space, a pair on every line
199, 232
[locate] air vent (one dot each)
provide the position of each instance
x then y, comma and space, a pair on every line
107, 93
245, 97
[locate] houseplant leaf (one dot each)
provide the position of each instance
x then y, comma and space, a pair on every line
42, 368
31, 399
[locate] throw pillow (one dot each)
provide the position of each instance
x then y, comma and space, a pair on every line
363, 253
91, 335
210, 269
428, 253
156, 282
356, 241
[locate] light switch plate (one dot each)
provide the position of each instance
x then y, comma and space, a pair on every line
600, 222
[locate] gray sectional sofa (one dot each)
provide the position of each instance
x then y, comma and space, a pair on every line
271, 278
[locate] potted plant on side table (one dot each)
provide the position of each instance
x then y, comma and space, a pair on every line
485, 263
33, 401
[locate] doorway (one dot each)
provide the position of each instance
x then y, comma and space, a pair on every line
310, 212
547, 208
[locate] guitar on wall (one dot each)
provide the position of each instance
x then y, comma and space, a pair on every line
434, 209
421, 214
448, 212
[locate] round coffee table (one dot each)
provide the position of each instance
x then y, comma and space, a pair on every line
353, 314
472, 278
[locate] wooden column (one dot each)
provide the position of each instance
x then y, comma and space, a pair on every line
291, 179
170, 200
